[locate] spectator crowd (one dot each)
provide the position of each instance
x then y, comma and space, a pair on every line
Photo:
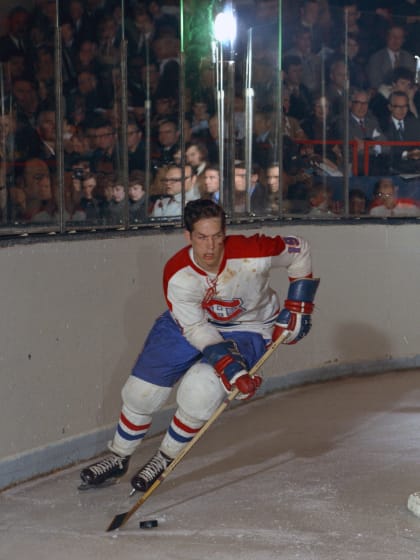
332, 50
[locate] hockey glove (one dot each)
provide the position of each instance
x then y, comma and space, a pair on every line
231, 368
298, 307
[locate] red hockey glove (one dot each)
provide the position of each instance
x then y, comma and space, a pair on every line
298, 307
231, 368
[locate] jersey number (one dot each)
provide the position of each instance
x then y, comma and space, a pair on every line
293, 244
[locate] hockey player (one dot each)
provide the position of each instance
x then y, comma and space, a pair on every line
222, 315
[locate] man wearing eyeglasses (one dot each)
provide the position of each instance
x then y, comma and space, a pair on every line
364, 126
387, 204
403, 127
174, 184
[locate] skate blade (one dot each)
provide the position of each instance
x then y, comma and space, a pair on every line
86, 486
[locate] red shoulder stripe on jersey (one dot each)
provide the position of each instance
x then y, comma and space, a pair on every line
258, 245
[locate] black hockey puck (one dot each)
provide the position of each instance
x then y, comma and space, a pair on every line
149, 524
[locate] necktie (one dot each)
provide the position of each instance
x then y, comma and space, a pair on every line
362, 127
396, 59
400, 130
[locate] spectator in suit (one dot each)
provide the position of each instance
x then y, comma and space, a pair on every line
349, 18
309, 17
141, 31
258, 190
321, 126
136, 146
44, 68
356, 63
211, 183
382, 62
263, 142
212, 139
105, 144
196, 155
291, 126
402, 80
26, 101
408, 14
16, 41
336, 87
76, 12
300, 96
165, 24
168, 137
255, 191
90, 95
69, 48
109, 41
363, 126
402, 127
89, 207
311, 62
170, 205
46, 128
86, 58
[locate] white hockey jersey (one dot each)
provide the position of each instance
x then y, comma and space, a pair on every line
239, 296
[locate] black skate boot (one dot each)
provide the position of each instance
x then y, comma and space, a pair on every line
150, 472
104, 472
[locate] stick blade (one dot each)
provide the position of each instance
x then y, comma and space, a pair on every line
118, 521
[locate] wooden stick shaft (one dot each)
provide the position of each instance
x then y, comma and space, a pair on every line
232, 395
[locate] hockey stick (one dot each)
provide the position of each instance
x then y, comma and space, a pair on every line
121, 518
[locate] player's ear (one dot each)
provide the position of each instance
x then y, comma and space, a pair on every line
187, 236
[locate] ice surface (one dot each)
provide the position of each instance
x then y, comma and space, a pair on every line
321, 472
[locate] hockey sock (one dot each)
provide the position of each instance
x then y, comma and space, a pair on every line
182, 429
130, 431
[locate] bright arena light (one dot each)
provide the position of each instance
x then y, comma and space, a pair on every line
225, 26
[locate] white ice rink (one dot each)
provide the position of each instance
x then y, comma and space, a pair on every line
320, 472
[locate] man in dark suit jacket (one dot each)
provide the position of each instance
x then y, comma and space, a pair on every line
383, 61
16, 41
300, 96
364, 126
140, 32
403, 128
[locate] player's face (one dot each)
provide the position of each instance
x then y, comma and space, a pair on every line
207, 241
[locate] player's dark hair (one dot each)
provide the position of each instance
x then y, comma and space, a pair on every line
202, 208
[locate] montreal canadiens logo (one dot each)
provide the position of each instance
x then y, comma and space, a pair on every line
223, 310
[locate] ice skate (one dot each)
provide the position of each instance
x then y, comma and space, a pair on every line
150, 472
104, 472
